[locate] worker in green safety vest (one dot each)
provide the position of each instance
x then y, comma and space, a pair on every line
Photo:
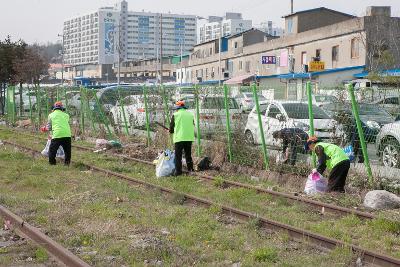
58, 124
335, 159
182, 128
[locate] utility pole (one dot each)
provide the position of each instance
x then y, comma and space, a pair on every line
181, 74
219, 57
62, 58
119, 54
161, 49
291, 6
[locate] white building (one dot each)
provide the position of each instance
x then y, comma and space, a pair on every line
231, 24
269, 28
92, 42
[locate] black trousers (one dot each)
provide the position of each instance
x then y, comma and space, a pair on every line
65, 143
337, 177
179, 148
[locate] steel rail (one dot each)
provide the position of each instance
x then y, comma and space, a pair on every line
21, 227
320, 206
294, 232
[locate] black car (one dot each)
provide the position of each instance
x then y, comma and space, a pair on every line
372, 117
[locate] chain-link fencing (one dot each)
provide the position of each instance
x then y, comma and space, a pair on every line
242, 124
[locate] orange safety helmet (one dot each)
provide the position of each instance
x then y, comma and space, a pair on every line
180, 104
58, 105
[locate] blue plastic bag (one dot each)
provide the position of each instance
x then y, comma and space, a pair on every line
349, 152
165, 164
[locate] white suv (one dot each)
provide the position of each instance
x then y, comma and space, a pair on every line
388, 145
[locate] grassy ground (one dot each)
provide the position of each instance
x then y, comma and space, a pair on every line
111, 223
378, 235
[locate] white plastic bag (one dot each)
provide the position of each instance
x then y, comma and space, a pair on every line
316, 183
60, 151
165, 164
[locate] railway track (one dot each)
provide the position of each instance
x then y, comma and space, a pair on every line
22, 228
318, 205
295, 233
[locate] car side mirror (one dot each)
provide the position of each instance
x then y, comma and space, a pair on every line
280, 117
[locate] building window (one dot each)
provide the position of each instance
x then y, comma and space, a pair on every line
236, 44
355, 48
247, 66
303, 58
240, 65
335, 53
290, 25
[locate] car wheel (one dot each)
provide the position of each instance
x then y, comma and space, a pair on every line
249, 137
390, 151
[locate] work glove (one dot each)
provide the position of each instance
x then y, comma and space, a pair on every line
44, 129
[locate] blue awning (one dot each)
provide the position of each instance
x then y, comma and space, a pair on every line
295, 76
393, 72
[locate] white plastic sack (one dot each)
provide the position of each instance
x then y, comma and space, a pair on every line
60, 151
316, 183
165, 164
280, 158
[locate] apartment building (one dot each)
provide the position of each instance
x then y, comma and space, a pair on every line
342, 45
230, 24
93, 42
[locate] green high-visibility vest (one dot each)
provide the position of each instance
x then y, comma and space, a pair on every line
59, 124
335, 154
184, 126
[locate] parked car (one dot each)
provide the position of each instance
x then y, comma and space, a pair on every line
388, 145
320, 100
135, 110
277, 115
390, 104
372, 117
25, 100
109, 96
213, 114
246, 101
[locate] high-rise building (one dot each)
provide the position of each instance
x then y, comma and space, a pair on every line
269, 28
96, 39
231, 24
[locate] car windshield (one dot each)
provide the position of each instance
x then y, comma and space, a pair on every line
367, 109
260, 97
300, 111
326, 98
218, 103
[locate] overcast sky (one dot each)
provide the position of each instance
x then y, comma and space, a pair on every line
41, 20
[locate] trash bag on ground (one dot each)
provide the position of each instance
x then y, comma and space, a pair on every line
349, 152
316, 183
280, 158
60, 151
165, 164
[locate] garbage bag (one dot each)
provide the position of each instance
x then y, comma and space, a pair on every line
60, 151
316, 183
349, 152
165, 164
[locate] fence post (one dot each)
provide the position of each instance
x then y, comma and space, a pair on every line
228, 123
47, 103
166, 110
82, 124
311, 118
147, 114
264, 146
198, 120
38, 105
102, 116
121, 102
66, 99
360, 133
89, 110
11, 104
30, 107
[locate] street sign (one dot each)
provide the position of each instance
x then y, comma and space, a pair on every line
316, 66
268, 59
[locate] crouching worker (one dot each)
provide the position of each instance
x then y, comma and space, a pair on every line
182, 128
293, 140
58, 124
332, 157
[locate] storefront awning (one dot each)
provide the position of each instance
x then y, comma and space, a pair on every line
393, 72
240, 79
